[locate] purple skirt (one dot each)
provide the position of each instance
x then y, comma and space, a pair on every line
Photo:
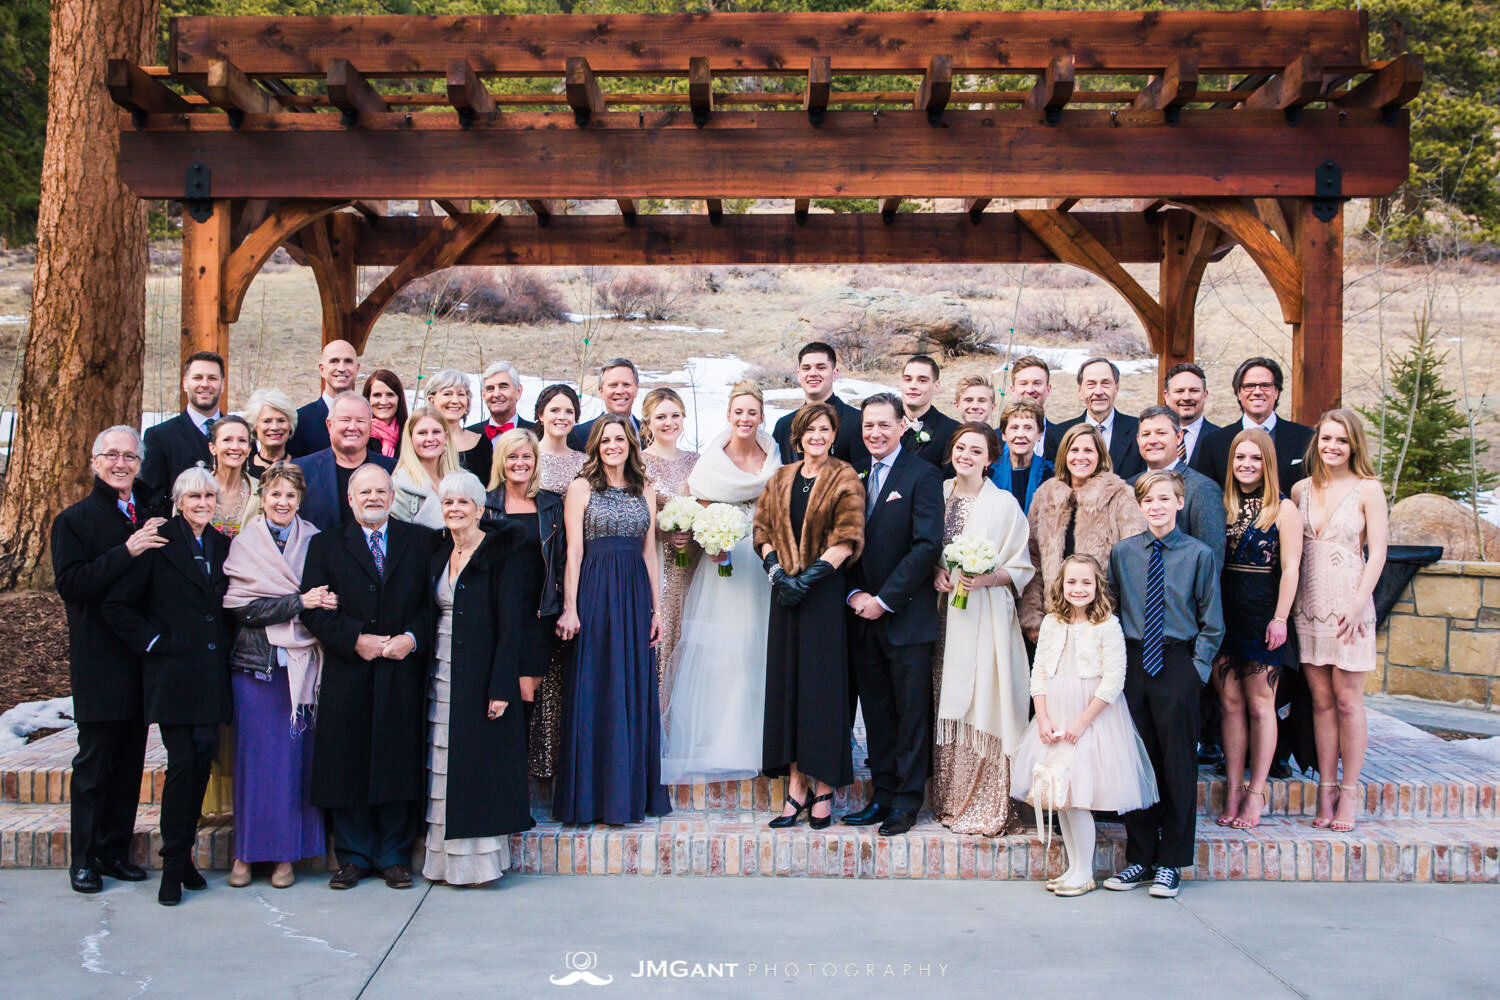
272, 767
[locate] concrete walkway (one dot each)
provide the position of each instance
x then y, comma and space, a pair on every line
767, 937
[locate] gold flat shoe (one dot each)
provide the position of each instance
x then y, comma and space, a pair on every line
283, 881
238, 880
1075, 890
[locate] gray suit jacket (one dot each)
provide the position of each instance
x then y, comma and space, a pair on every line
1202, 516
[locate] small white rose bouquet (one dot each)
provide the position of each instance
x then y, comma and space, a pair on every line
972, 554
678, 514
717, 528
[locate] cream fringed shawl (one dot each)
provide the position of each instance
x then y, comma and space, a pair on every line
986, 682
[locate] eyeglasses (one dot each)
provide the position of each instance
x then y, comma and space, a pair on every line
1257, 386
116, 456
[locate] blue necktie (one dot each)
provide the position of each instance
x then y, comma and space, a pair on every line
377, 552
1156, 610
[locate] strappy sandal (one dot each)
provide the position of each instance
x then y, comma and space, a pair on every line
1339, 825
1226, 818
1319, 821
792, 818
1240, 823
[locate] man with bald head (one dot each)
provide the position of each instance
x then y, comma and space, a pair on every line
370, 746
347, 428
339, 368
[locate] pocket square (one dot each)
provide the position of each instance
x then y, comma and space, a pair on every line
893, 495
1295, 461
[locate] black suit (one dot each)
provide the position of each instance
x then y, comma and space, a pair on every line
1204, 433
1124, 454
578, 437
848, 444
370, 748
1290, 438
171, 446
324, 504
171, 612
939, 428
312, 429
521, 422
892, 656
88, 556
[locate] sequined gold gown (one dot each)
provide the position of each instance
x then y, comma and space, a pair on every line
666, 479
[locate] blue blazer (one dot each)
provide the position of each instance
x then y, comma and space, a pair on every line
1041, 471
321, 505
312, 429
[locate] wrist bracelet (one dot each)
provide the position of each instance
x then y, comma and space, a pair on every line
1281, 621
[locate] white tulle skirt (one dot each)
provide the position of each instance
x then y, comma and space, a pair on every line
716, 708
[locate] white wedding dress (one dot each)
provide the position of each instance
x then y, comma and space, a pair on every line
716, 711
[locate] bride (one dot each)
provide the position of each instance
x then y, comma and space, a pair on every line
716, 708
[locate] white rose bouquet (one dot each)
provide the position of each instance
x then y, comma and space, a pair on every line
972, 554
678, 514
717, 528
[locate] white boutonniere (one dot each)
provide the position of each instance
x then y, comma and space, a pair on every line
892, 495
864, 474
917, 433
923, 437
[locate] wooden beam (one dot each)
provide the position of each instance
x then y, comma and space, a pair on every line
1062, 204
1053, 89
801, 207
1271, 212
468, 95
1299, 84
1066, 237
1187, 245
1394, 85
241, 266
232, 90
888, 209
455, 206
139, 93
936, 88
372, 208
1318, 339
351, 93
205, 248
715, 208
763, 44
975, 207
631, 155
1274, 259
1176, 86
543, 208
582, 88
328, 244
821, 238
1147, 206
627, 210
700, 89
819, 88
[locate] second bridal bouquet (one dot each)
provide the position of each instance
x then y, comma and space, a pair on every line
678, 514
974, 555
717, 528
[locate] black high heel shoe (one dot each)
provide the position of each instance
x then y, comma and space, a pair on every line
820, 822
798, 808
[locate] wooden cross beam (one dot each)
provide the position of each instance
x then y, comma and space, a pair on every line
819, 88
139, 93
584, 95
937, 87
700, 89
351, 93
1053, 89
468, 95
1171, 90
1394, 85
1298, 85
229, 88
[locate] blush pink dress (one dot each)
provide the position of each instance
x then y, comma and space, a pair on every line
1332, 563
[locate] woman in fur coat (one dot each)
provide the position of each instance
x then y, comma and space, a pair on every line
1085, 508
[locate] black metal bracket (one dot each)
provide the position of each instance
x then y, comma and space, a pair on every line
1292, 115
1052, 116
1172, 115
1328, 191
815, 117
197, 195
466, 117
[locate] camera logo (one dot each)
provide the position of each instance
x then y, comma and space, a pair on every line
581, 965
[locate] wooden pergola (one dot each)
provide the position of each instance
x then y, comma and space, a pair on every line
1300, 120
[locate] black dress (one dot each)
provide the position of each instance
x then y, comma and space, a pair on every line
1251, 583
478, 459
807, 675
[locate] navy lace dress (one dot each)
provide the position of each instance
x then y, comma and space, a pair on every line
1250, 582
609, 758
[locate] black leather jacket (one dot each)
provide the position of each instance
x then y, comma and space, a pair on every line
549, 508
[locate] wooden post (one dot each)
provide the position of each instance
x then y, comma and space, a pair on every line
205, 248
329, 243
1318, 341
1178, 296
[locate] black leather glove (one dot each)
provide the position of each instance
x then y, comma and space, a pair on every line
773, 569
790, 590
815, 572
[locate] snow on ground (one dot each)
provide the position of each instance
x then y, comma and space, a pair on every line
12, 320
29, 716
1067, 359
673, 328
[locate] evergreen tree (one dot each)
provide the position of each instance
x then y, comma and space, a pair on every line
1425, 446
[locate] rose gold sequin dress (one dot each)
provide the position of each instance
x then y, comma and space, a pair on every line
558, 471
970, 790
665, 479
1332, 562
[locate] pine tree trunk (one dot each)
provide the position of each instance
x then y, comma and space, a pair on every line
83, 364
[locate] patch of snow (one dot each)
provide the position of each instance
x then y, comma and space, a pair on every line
672, 328
573, 317
12, 320
1489, 506
1489, 747
29, 716
1067, 359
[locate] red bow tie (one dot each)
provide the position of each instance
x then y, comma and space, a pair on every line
491, 431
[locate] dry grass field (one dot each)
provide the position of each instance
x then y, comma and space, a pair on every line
762, 313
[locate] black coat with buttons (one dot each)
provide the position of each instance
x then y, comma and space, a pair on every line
487, 793
371, 740
166, 601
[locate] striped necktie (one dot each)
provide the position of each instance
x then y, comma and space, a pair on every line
1156, 610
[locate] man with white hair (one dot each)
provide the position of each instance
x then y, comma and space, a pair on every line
338, 366
328, 471
500, 387
370, 748
93, 544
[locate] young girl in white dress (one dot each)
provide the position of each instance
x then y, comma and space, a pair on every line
1092, 755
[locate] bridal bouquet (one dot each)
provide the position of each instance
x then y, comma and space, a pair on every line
973, 554
717, 528
678, 514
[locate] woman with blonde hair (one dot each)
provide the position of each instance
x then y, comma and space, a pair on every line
426, 456
716, 704
667, 471
1085, 508
1343, 515
448, 395
1258, 584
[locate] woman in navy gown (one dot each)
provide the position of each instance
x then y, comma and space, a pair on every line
609, 763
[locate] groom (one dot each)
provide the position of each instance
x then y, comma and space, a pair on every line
895, 616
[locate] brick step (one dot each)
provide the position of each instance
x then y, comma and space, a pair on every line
738, 843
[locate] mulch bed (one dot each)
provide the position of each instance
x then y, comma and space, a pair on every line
34, 640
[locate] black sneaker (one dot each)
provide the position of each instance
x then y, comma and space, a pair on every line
1166, 884
1133, 877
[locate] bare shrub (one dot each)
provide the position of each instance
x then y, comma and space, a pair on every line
1068, 320
1122, 343
972, 337
1059, 276
858, 338
776, 373
514, 296
705, 279
638, 294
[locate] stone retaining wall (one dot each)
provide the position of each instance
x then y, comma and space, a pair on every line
1442, 639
